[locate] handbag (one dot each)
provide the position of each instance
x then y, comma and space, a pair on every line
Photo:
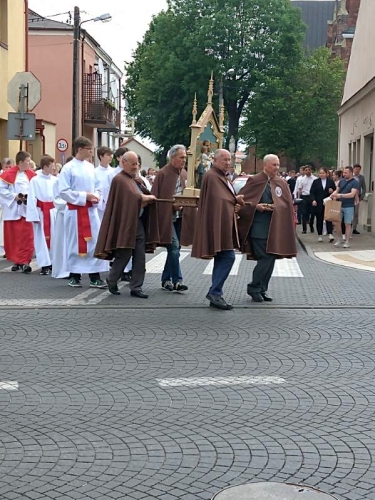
332, 211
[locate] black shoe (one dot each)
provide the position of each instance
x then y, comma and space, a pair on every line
26, 269
303, 232
180, 287
167, 285
356, 232
218, 302
15, 267
127, 277
256, 296
45, 271
312, 230
139, 294
266, 297
113, 288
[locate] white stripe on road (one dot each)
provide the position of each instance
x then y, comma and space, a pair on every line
287, 268
34, 266
157, 263
105, 294
9, 385
234, 270
203, 381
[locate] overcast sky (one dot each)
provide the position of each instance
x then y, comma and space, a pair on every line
118, 37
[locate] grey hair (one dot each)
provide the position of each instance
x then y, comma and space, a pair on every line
174, 150
218, 153
7, 161
269, 157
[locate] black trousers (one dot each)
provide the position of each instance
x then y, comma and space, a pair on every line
319, 214
122, 257
307, 213
264, 267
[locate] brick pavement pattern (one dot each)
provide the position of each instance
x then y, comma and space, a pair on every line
91, 421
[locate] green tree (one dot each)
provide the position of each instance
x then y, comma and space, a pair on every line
296, 113
244, 42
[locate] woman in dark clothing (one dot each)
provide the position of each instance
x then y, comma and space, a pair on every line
322, 188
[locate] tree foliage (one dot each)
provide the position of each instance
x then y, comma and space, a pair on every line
255, 39
296, 113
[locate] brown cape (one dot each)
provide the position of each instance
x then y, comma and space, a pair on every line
216, 228
119, 226
281, 237
161, 216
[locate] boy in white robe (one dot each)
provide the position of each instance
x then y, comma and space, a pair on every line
39, 212
103, 175
78, 187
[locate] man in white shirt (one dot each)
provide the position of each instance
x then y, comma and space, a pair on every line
304, 188
103, 175
79, 188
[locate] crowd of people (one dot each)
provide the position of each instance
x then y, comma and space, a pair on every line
86, 220
311, 192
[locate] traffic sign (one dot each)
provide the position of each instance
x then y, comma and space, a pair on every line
62, 145
27, 79
21, 126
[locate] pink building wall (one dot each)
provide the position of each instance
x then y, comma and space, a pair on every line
51, 61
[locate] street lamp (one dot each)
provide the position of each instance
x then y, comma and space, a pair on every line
76, 38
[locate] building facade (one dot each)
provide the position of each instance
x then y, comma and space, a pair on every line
99, 81
357, 112
315, 14
341, 29
12, 60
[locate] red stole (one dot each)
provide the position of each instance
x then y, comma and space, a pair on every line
45, 207
84, 226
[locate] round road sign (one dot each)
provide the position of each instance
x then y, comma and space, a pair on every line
62, 145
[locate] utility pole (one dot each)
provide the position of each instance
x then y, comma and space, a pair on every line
75, 104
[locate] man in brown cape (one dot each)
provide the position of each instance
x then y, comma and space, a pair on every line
122, 232
216, 229
266, 228
169, 224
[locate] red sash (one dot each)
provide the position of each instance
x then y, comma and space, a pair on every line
45, 207
10, 175
84, 226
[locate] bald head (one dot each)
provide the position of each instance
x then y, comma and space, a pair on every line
222, 160
130, 163
271, 165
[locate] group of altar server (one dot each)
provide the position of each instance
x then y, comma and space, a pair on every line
57, 219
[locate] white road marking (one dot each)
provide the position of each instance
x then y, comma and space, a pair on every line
287, 268
366, 256
34, 266
219, 381
156, 264
104, 295
76, 300
234, 270
9, 385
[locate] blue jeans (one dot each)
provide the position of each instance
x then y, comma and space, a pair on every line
172, 269
223, 262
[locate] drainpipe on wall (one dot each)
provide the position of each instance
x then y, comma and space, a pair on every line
26, 35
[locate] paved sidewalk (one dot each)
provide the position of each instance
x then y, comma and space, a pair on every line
360, 255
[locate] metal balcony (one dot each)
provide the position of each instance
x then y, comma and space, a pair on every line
98, 112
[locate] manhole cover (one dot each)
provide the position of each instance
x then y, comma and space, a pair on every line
271, 491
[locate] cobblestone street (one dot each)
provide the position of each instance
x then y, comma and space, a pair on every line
180, 403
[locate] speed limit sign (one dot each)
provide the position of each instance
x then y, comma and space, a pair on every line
62, 145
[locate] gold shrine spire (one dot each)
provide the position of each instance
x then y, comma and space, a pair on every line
221, 116
210, 92
195, 109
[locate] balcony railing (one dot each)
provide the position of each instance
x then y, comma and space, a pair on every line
98, 111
